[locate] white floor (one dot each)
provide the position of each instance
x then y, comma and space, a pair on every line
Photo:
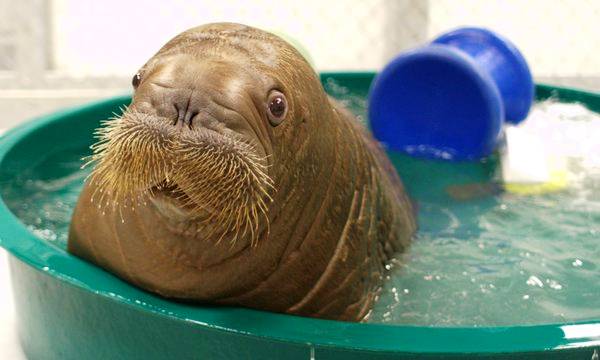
9, 343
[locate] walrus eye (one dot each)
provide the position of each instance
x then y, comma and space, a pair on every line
137, 78
277, 107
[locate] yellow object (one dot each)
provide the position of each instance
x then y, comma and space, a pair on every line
558, 181
529, 167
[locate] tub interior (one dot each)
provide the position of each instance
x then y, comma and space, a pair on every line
494, 260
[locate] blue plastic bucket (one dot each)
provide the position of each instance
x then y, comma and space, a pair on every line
450, 98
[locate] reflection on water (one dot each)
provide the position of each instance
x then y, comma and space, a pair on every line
494, 260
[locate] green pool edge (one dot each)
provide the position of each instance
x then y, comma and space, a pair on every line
57, 291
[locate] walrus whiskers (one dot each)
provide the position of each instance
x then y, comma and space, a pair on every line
235, 181
137, 152
129, 156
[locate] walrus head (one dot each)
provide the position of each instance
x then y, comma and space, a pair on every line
212, 115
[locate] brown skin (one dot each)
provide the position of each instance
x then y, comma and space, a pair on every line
336, 210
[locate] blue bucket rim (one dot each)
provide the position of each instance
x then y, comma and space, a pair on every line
510, 53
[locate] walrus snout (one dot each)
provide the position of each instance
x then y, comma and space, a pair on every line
192, 95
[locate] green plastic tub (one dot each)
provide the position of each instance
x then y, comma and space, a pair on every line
70, 309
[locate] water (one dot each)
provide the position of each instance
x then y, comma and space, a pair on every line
500, 259
43, 204
503, 259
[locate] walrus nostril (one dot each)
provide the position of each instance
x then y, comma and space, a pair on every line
177, 114
193, 115
185, 114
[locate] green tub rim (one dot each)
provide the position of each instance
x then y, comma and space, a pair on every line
44, 257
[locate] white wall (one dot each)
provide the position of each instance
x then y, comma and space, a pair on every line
558, 37
114, 37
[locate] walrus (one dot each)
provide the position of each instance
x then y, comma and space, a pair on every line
233, 179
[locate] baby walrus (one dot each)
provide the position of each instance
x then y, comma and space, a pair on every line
233, 179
